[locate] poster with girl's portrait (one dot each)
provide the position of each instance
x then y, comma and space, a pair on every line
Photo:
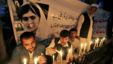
26, 15
44, 18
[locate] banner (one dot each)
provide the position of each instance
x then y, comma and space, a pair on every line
100, 23
53, 16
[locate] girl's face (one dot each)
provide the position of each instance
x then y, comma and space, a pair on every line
30, 20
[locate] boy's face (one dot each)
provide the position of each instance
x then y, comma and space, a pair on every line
73, 34
30, 20
29, 43
64, 40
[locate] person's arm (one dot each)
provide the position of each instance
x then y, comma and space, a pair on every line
79, 25
52, 44
50, 49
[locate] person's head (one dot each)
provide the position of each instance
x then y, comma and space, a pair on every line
73, 33
64, 36
28, 41
29, 15
92, 9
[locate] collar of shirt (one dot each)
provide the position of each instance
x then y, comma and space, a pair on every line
31, 55
66, 45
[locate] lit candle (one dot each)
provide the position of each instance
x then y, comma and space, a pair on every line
61, 54
96, 43
91, 42
81, 47
36, 60
70, 50
102, 40
70, 53
53, 57
84, 47
24, 61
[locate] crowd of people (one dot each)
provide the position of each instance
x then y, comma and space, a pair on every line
30, 48
51, 54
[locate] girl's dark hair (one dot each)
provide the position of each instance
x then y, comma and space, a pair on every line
28, 7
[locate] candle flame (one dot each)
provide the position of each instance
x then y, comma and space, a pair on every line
36, 60
103, 38
53, 57
60, 52
97, 40
70, 49
81, 45
24, 61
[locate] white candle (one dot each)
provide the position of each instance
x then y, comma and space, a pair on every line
91, 42
102, 40
85, 47
24, 61
36, 60
96, 43
70, 50
70, 53
61, 54
81, 47
53, 57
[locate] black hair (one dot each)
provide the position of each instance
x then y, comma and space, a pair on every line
20, 2
26, 35
64, 33
28, 7
72, 29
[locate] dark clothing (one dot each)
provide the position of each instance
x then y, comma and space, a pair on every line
60, 47
20, 52
85, 26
